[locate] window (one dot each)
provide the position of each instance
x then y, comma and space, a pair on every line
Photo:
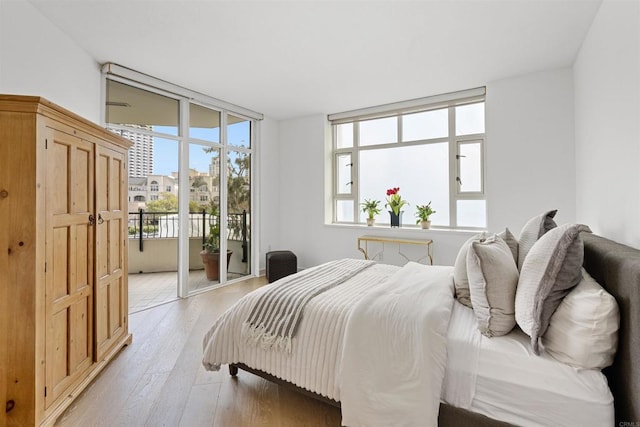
154, 186
168, 189
433, 149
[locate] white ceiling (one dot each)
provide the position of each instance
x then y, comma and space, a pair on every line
295, 58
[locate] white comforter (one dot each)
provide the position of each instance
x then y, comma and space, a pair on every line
415, 295
395, 352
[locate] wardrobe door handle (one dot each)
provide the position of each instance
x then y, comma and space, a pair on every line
100, 220
92, 219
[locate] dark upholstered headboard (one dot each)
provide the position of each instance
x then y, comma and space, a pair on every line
617, 268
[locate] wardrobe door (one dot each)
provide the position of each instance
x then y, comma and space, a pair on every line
69, 252
111, 274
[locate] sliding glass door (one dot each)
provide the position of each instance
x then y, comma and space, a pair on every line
239, 135
189, 155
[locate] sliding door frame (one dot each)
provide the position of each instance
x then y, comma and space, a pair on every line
185, 97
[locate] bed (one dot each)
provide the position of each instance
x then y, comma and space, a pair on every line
616, 267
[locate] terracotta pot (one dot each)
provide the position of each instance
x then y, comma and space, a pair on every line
211, 261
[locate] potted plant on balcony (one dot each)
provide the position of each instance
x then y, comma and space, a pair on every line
211, 249
371, 208
423, 212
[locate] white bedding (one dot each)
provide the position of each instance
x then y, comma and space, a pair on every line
317, 347
514, 385
393, 364
498, 377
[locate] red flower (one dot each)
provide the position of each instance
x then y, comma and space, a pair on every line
394, 200
393, 191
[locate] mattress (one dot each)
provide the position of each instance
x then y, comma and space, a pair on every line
501, 378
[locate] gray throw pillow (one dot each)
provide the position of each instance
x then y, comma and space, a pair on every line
551, 269
532, 231
493, 277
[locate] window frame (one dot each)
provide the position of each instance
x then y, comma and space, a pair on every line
454, 143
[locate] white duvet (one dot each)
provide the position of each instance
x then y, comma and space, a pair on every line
317, 346
395, 351
406, 329
375, 343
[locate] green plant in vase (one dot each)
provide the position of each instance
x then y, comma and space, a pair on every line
211, 248
212, 242
371, 208
423, 212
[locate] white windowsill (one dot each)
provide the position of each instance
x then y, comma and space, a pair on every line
412, 230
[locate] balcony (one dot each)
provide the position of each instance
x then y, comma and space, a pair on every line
153, 249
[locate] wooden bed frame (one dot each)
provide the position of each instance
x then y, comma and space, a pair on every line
617, 268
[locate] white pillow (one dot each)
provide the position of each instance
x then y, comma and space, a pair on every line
493, 277
551, 269
583, 331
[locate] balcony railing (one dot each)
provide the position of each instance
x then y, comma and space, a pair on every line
164, 225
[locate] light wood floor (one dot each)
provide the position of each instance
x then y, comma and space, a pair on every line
159, 379
150, 289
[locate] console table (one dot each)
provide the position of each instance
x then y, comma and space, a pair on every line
395, 240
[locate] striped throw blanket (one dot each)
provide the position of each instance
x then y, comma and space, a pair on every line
275, 316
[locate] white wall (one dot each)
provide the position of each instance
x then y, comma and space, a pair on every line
530, 168
607, 124
36, 58
530, 149
269, 188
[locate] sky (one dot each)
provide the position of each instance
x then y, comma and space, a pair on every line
165, 150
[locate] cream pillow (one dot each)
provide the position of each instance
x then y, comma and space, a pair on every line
460, 277
511, 241
535, 228
552, 267
493, 277
583, 332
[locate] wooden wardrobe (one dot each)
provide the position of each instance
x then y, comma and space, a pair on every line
63, 256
